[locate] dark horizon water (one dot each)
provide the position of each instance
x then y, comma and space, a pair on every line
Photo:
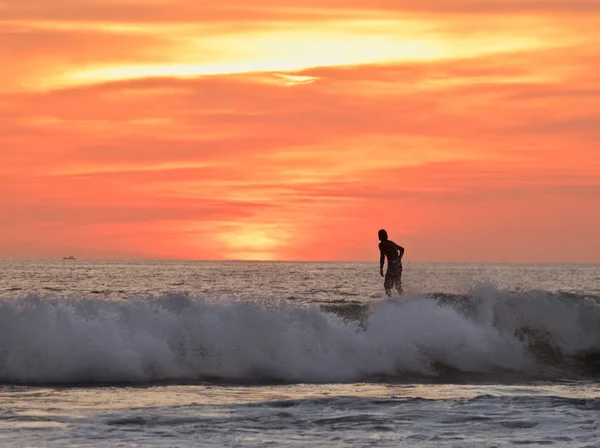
175, 353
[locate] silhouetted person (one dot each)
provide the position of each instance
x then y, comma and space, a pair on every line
393, 253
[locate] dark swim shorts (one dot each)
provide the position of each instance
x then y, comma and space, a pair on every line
393, 275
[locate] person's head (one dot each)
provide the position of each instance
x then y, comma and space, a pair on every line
383, 236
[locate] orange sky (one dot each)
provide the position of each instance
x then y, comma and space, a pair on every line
268, 129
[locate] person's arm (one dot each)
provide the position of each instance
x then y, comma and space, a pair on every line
401, 250
381, 260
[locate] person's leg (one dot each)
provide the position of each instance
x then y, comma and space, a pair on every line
388, 283
398, 283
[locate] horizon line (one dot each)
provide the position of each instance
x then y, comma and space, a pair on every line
176, 260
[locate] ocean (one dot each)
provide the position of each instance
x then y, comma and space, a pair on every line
182, 354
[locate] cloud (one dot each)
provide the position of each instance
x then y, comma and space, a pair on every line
243, 10
81, 43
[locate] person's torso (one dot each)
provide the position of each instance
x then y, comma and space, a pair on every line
390, 250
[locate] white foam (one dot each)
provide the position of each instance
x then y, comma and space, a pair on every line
175, 337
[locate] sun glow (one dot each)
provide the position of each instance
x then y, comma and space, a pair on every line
254, 241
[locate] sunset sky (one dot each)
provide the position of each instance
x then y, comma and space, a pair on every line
296, 129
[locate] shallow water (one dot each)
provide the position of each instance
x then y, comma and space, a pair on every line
298, 354
301, 415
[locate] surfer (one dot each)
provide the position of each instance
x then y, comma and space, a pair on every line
393, 253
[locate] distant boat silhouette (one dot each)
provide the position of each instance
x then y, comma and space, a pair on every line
69, 258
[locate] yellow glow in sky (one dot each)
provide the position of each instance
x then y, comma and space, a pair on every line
289, 51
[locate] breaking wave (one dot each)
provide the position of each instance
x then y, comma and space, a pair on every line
182, 338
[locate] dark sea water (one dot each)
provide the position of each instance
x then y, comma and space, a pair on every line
298, 354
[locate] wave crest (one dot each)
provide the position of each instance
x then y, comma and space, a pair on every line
181, 338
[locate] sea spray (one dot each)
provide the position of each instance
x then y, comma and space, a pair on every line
175, 337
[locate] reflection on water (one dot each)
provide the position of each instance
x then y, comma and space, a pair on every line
305, 282
297, 415
45, 401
